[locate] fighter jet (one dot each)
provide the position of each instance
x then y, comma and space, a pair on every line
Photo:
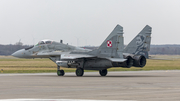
109, 54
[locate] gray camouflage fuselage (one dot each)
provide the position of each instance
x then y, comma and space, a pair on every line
109, 54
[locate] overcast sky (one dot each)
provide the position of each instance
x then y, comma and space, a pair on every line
88, 21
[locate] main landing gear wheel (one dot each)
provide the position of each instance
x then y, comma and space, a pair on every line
60, 72
79, 72
103, 72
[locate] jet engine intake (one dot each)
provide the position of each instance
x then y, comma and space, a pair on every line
73, 64
62, 63
97, 64
139, 61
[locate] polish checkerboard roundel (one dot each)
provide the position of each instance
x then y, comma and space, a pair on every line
109, 43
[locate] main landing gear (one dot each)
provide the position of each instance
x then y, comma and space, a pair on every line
79, 71
103, 72
60, 72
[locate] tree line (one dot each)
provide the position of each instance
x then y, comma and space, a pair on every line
165, 50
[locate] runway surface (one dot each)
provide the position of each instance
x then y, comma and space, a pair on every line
131, 85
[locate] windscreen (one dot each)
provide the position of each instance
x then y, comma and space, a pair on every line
29, 47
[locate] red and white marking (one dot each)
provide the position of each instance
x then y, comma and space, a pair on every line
109, 43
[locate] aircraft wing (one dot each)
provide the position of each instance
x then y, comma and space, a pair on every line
79, 56
64, 55
75, 56
67, 56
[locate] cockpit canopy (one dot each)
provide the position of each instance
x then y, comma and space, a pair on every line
29, 47
45, 42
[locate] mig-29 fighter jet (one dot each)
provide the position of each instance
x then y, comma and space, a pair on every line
109, 54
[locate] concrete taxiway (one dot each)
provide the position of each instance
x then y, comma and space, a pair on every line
132, 85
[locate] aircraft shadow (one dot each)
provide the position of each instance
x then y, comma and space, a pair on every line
122, 76
108, 76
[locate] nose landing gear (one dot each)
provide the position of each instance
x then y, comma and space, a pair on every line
60, 72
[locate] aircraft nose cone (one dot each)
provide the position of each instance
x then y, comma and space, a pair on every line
18, 54
14, 54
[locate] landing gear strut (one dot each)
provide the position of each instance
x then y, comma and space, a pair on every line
79, 72
60, 72
103, 72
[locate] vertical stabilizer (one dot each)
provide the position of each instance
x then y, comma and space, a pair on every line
113, 45
140, 45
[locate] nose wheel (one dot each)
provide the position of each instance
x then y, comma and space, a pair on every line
60, 72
